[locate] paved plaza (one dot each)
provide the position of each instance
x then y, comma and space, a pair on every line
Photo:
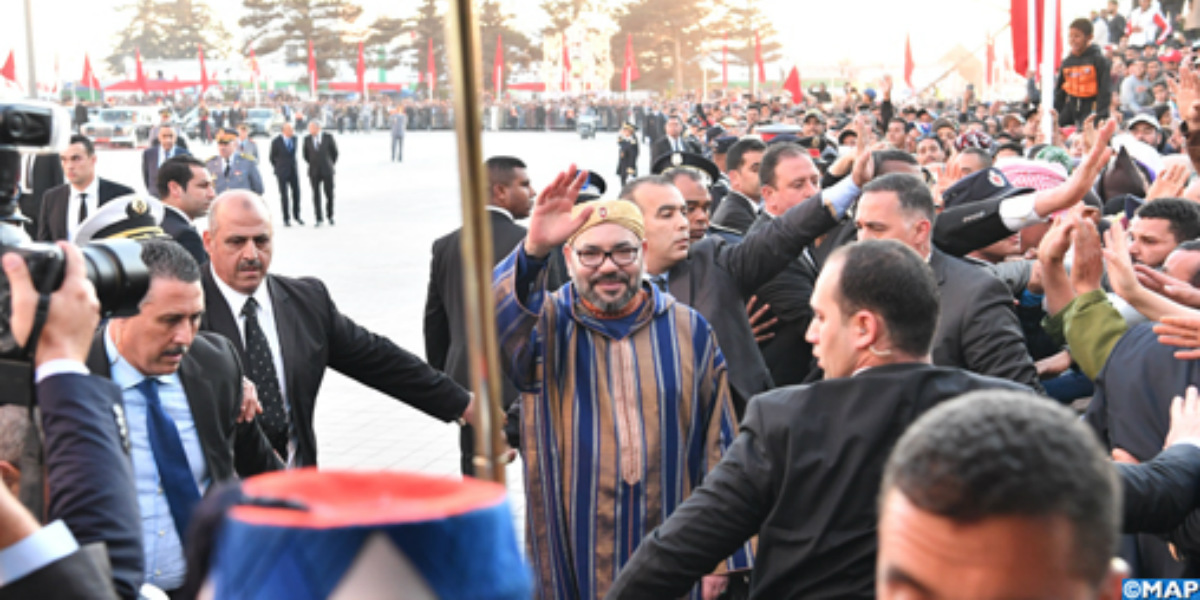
375, 263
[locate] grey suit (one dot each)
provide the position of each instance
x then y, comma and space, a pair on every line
399, 125
717, 277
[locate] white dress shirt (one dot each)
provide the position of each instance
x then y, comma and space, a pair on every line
93, 200
266, 321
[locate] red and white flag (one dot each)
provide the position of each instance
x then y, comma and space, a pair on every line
360, 72
312, 70
89, 76
1024, 28
566, 65
431, 69
630, 73
758, 59
792, 85
141, 74
204, 82
498, 67
909, 65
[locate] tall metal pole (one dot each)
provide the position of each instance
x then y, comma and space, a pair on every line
466, 76
1049, 36
33, 89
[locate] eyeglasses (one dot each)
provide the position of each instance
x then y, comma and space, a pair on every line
622, 257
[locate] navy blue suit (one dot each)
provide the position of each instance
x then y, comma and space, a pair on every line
88, 473
283, 160
150, 167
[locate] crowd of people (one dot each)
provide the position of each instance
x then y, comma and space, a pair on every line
847, 347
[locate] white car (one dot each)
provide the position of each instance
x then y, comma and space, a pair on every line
125, 125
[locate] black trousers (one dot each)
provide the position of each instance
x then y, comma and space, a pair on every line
293, 182
319, 181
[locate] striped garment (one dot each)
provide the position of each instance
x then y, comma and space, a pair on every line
621, 419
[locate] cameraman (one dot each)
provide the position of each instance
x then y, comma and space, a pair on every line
92, 509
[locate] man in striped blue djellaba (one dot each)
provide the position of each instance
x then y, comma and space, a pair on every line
626, 405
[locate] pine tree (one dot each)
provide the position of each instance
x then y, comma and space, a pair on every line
741, 22
429, 25
518, 50
191, 24
289, 25
669, 37
148, 31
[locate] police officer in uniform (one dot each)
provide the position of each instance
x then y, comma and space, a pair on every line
627, 163
231, 170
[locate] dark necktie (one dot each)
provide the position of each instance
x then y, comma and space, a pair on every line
174, 473
227, 169
83, 211
260, 368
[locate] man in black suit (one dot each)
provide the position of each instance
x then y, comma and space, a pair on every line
717, 278
320, 152
977, 329
88, 477
673, 141
154, 156
186, 189
1009, 496
66, 206
445, 338
289, 331
789, 177
183, 396
740, 207
876, 306
287, 174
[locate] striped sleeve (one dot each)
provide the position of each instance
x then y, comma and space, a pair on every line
517, 322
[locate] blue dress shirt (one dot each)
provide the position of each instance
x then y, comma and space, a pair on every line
165, 564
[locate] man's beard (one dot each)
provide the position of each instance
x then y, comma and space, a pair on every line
587, 290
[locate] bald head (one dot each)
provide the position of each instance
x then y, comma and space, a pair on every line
239, 239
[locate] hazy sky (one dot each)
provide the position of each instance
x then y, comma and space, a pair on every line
814, 32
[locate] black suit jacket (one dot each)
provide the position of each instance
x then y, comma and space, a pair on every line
89, 476
52, 218
322, 158
735, 215
977, 328
717, 278
180, 229
788, 354
81, 575
45, 173
150, 166
283, 160
445, 335
211, 374
804, 475
313, 336
662, 146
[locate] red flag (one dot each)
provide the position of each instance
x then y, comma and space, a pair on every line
9, 71
1022, 62
631, 72
725, 63
566, 65
431, 68
792, 85
909, 65
254, 65
360, 71
141, 75
89, 77
312, 70
762, 71
498, 67
991, 60
204, 83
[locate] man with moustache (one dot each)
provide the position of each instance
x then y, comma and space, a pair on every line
624, 393
183, 397
288, 331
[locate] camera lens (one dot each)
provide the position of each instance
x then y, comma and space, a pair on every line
120, 277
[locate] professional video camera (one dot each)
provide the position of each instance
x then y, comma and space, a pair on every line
114, 266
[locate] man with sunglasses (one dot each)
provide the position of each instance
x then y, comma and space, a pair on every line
624, 398
232, 170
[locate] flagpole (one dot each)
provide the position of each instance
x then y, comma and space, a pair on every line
29, 48
479, 311
1050, 20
